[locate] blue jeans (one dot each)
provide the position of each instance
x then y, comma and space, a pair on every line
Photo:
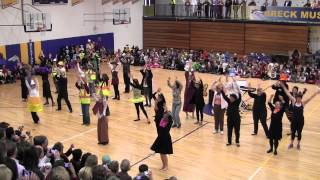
175, 114
85, 113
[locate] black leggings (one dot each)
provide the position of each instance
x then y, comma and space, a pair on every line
142, 108
35, 117
199, 110
296, 127
273, 143
116, 91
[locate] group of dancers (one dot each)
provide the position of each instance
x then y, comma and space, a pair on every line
223, 98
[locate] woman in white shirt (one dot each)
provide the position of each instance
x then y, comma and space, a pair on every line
34, 101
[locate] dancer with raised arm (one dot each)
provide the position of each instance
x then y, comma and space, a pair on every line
233, 114
189, 90
147, 84
176, 101
259, 110
34, 100
275, 128
297, 119
138, 99
163, 120
198, 100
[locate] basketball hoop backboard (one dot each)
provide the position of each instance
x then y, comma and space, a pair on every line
37, 22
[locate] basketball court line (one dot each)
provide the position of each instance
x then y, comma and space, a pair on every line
263, 164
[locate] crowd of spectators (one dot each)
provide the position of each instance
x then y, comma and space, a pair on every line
254, 65
25, 157
219, 9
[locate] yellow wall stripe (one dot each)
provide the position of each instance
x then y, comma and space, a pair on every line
24, 54
37, 51
3, 51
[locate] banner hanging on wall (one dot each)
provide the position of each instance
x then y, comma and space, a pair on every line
294, 14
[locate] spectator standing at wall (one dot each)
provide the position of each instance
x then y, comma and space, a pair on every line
235, 6
228, 5
206, 5
173, 7
212, 8
199, 8
187, 5
243, 7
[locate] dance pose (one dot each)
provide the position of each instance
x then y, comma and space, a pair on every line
297, 119
105, 89
198, 100
259, 110
138, 99
219, 106
62, 83
34, 101
275, 129
115, 67
91, 79
176, 101
189, 90
84, 96
100, 109
126, 62
46, 90
147, 84
163, 120
23, 75
233, 115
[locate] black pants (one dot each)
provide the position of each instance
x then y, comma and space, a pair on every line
228, 12
137, 105
126, 79
35, 117
296, 127
206, 12
116, 91
211, 12
173, 8
63, 95
199, 112
262, 116
233, 123
147, 91
273, 144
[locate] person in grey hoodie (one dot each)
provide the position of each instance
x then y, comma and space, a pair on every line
176, 101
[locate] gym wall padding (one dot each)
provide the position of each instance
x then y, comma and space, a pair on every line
52, 46
3, 51
24, 55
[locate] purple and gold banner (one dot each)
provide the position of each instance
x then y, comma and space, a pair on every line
288, 14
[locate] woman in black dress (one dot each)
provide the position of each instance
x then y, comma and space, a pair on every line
275, 128
198, 100
163, 120
297, 118
46, 85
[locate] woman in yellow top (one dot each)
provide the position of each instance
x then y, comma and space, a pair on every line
34, 100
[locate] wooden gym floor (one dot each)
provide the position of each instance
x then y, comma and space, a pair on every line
198, 154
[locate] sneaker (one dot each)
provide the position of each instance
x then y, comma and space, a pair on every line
238, 144
197, 122
228, 144
290, 146
221, 132
136, 120
254, 134
298, 147
215, 131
